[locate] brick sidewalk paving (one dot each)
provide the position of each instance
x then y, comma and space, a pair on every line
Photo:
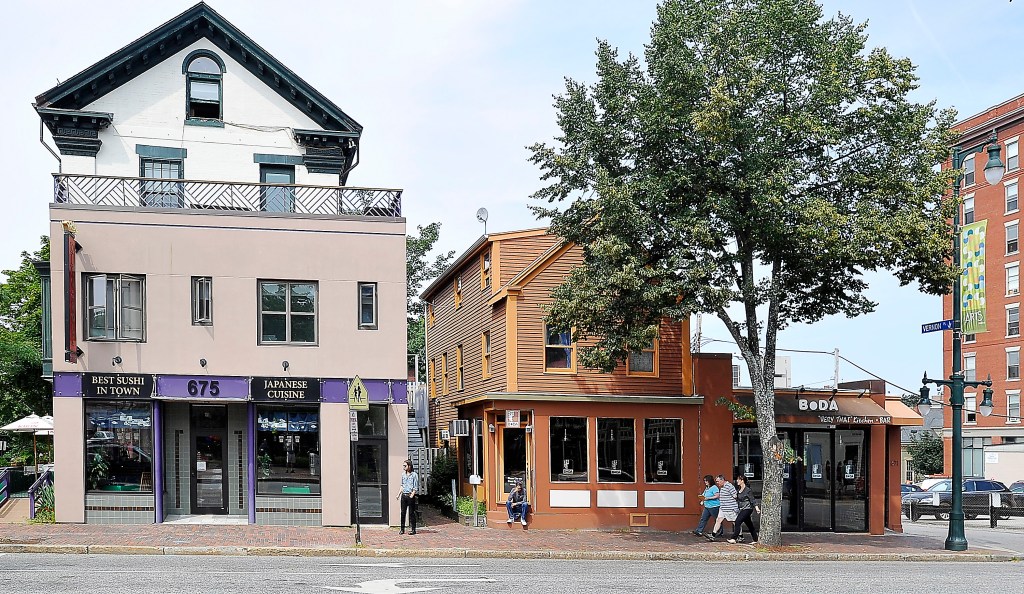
443, 537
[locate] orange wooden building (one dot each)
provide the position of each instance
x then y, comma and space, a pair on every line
619, 449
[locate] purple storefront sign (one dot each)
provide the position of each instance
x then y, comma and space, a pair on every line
336, 390
202, 387
67, 384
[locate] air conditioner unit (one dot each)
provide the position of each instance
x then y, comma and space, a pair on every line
460, 428
1013, 292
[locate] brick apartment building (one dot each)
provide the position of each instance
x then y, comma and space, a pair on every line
996, 352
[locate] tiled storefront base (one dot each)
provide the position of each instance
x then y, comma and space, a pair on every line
288, 511
119, 508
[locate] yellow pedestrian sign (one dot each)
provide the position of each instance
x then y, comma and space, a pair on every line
358, 398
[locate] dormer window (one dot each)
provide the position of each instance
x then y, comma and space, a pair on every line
203, 79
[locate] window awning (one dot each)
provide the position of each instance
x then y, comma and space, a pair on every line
843, 410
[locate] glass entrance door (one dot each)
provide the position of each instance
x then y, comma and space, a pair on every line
371, 481
851, 492
817, 480
209, 447
512, 463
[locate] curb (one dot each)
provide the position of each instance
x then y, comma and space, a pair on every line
265, 551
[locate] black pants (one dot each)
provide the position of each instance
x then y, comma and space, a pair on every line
744, 518
409, 504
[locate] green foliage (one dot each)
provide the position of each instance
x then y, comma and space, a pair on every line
444, 468
45, 505
757, 163
464, 506
926, 450
97, 471
420, 269
22, 389
742, 412
263, 464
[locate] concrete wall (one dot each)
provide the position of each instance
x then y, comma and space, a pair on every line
150, 110
336, 473
236, 250
69, 459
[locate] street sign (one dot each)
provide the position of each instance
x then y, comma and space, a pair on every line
512, 419
358, 398
937, 326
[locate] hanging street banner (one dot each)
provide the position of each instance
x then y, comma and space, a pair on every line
973, 279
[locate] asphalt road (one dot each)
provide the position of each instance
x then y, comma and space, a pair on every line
1008, 537
45, 574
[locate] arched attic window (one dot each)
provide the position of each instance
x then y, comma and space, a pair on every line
204, 91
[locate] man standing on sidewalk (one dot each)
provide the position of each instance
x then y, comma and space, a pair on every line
728, 507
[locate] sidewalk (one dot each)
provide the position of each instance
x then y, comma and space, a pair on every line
444, 538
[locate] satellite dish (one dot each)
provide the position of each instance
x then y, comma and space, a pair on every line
481, 215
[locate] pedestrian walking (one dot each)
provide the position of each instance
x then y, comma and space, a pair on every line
728, 508
710, 503
410, 482
747, 505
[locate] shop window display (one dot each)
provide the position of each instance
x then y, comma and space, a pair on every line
663, 450
569, 449
288, 451
118, 446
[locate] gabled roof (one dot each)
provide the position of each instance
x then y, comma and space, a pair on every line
161, 43
474, 249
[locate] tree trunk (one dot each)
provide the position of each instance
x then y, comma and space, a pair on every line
773, 449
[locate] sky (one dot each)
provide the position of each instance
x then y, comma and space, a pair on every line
451, 92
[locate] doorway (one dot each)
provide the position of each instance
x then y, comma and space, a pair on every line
371, 466
514, 459
209, 446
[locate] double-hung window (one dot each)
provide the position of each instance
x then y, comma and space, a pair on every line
204, 88
277, 194
1013, 406
485, 354
1013, 278
115, 307
968, 209
287, 312
202, 301
485, 270
644, 362
968, 171
444, 374
1012, 320
1010, 190
559, 350
1013, 363
969, 368
460, 383
1012, 155
157, 193
458, 292
970, 408
367, 306
1012, 237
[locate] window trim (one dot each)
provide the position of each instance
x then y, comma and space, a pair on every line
485, 354
179, 187
974, 365
458, 291
597, 444
87, 307
287, 313
1007, 309
1015, 142
1015, 224
970, 410
196, 319
460, 376
485, 270
430, 315
1008, 350
444, 374
973, 170
679, 421
586, 454
968, 200
432, 377
572, 354
266, 187
1006, 196
359, 306
1007, 267
203, 77
656, 367
1010, 419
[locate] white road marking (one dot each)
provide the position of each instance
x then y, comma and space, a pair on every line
392, 587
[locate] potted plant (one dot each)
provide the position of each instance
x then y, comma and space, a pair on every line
465, 510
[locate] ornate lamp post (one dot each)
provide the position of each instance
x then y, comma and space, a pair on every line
956, 540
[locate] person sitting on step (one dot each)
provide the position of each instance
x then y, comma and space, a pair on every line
516, 504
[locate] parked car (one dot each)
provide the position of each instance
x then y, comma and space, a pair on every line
909, 488
1017, 487
976, 500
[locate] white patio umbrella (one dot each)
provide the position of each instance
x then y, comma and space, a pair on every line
31, 424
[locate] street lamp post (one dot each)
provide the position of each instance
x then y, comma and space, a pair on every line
956, 540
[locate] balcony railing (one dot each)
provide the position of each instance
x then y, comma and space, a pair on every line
142, 192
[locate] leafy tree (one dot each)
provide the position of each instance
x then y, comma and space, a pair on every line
754, 166
926, 450
419, 269
22, 388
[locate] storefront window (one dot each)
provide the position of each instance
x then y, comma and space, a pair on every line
663, 450
288, 456
616, 451
373, 422
118, 446
569, 449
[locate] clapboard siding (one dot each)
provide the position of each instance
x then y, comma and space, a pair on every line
530, 344
518, 253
